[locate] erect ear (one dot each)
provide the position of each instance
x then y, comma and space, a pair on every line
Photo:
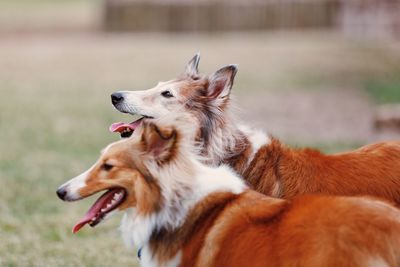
221, 82
158, 142
192, 66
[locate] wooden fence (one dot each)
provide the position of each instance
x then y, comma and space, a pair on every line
242, 15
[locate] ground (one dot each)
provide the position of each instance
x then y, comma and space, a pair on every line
306, 88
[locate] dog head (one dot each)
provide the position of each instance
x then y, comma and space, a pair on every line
122, 171
201, 97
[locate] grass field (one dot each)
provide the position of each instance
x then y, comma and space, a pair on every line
385, 90
55, 111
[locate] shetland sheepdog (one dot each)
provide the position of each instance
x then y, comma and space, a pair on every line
182, 212
268, 166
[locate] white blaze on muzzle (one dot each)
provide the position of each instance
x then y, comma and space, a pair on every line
72, 187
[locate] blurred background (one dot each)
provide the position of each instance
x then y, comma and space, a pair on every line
320, 73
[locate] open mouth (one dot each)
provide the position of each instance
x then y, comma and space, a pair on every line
126, 129
105, 204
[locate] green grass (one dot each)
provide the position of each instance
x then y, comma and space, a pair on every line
334, 147
386, 89
52, 135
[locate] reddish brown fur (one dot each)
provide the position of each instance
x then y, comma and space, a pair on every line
250, 229
239, 162
189, 237
129, 172
255, 230
280, 171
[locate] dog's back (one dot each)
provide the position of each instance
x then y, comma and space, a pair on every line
255, 230
284, 172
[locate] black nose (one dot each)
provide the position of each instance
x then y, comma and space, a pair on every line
61, 193
117, 98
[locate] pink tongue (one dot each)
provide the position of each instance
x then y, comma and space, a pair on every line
121, 126
94, 210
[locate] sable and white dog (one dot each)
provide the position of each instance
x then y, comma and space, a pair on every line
268, 166
185, 213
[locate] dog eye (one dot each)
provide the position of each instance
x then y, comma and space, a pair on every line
167, 94
107, 166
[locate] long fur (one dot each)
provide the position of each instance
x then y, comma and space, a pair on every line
243, 228
207, 217
275, 169
267, 165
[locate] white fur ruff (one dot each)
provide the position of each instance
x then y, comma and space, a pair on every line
183, 182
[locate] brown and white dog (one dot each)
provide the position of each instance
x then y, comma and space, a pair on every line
185, 213
268, 166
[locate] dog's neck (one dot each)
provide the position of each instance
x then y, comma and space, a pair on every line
219, 138
225, 142
177, 246
184, 183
